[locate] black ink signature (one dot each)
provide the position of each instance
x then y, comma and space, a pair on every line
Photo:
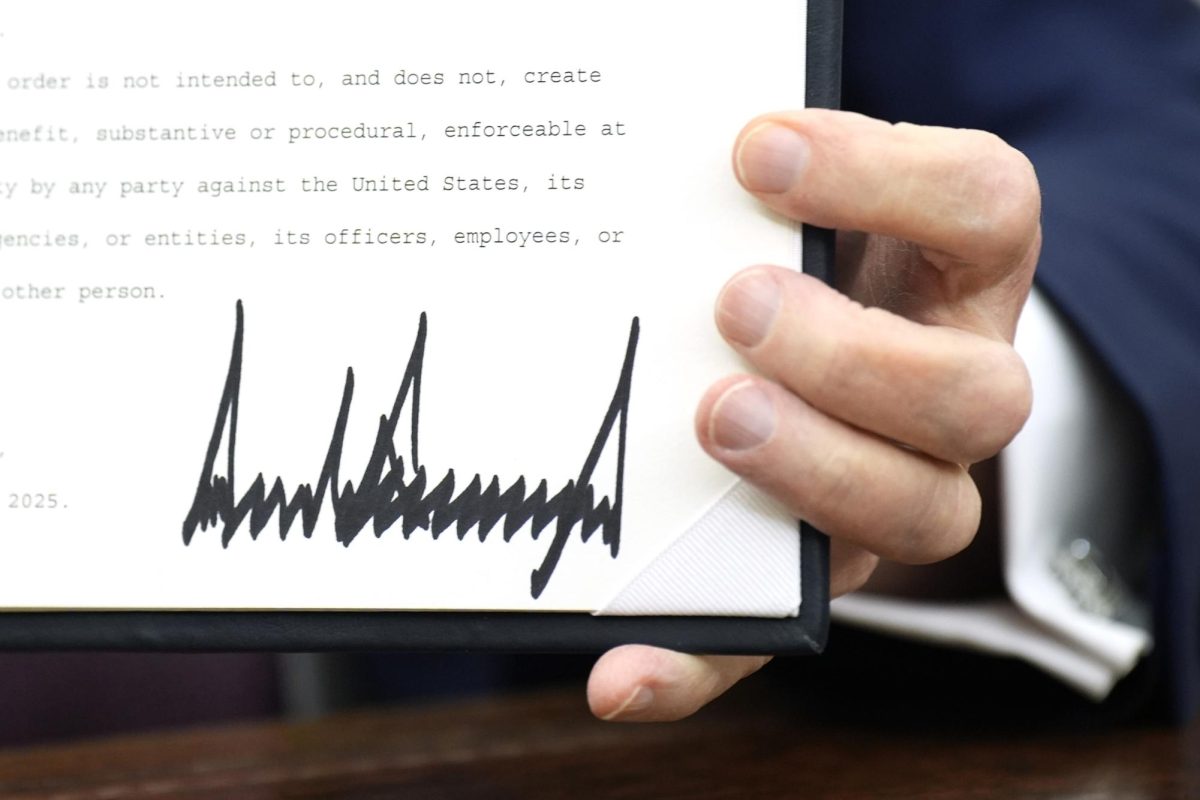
387, 494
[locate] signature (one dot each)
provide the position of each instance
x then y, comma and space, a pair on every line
391, 492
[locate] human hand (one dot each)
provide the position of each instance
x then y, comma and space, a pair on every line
870, 405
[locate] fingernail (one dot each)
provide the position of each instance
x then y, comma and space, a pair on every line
771, 158
747, 307
638, 700
743, 418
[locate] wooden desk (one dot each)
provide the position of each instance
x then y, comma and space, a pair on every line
546, 746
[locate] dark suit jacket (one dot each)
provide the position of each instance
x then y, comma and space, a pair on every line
1104, 97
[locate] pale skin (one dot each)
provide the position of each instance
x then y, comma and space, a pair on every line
868, 404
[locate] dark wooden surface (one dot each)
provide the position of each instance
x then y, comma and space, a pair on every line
546, 746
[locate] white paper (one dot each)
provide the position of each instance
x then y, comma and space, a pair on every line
109, 402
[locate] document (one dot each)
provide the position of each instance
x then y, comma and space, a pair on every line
381, 305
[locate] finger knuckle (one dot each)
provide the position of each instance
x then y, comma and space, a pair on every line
982, 401
853, 573
833, 362
833, 485
853, 583
945, 523
996, 404
1010, 199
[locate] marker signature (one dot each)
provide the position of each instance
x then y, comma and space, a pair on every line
391, 493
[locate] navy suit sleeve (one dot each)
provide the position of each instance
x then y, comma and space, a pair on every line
1104, 97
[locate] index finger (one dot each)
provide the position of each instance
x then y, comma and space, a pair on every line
963, 196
